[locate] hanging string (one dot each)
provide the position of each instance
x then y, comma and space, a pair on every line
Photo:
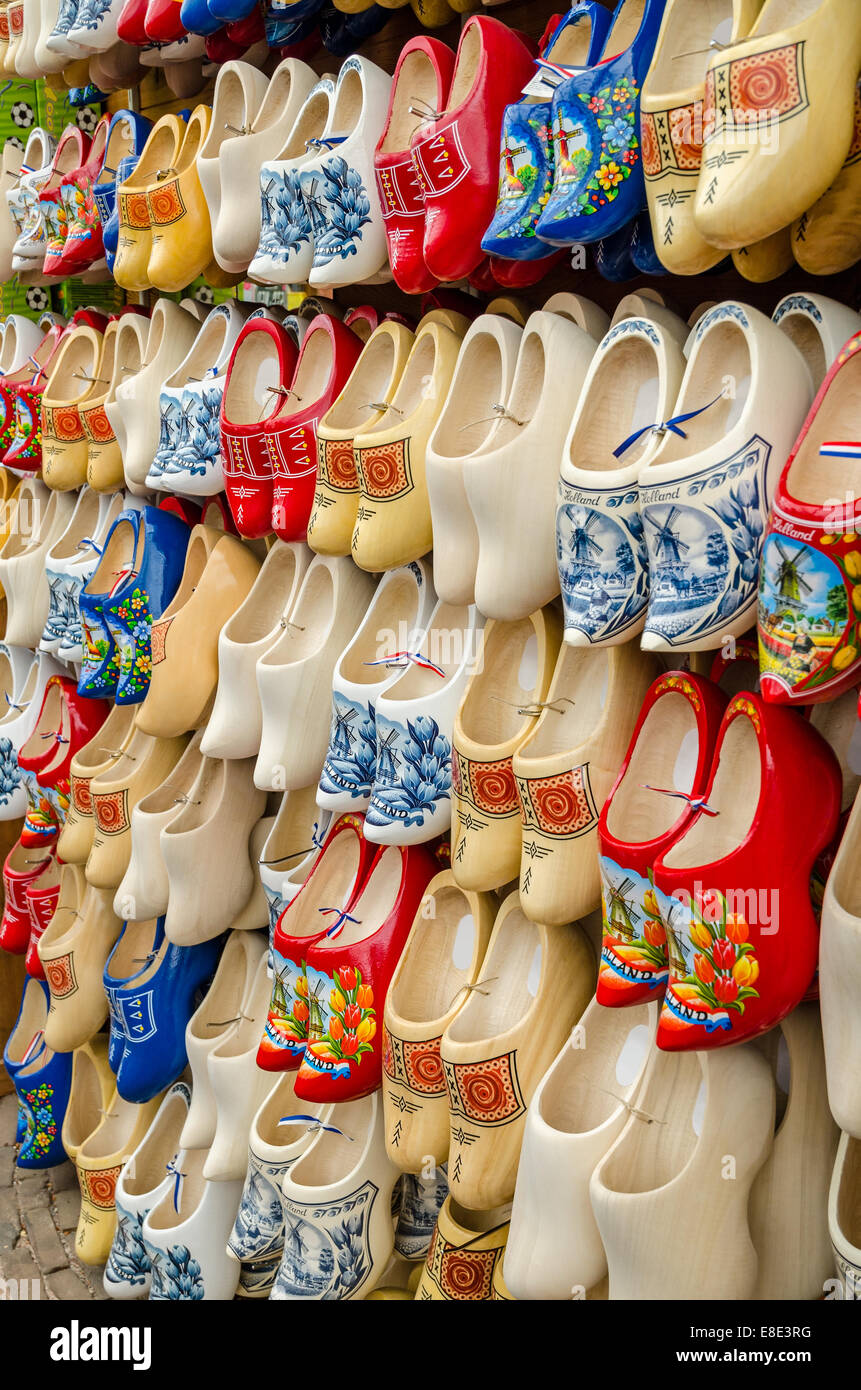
428, 114
407, 659
669, 426
500, 412
341, 918
697, 803
476, 988
313, 1122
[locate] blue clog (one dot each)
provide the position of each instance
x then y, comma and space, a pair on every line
42, 1086
643, 253
27, 1038
526, 154
229, 11
613, 259
195, 16
598, 182
142, 594
150, 1007
127, 132
342, 33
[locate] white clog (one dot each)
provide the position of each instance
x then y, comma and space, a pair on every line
239, 91
466, 426
236, 229
584, 312
218, 1014
129, 353
632, 383
819, 327
236, 723
94, 26
19, 716
338, 1235
236, 1083
705, 491
146, 1177
285, 252
392, 625
63, 569
295, 835
46, 60
79, 571
840, 977
844, 1225
23, 558
171, 333
294, 677
410, 801
578, 1111
185, 1235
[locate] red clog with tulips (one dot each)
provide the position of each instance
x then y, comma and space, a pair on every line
83, 245
325, 898
22, 868
72, 152
23, 447
398, 184
349, 972
249, 442
328, 354
664, 773
459, 148
734, 888
809, 618
66, 722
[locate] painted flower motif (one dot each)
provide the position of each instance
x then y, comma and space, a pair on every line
617, 133
737, 929
610, 175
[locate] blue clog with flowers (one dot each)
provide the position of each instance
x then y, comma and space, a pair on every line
42, 1087
27, 1038
598, 182
526, 165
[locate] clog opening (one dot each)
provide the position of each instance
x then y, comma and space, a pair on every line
147, 1167
39, 1063
9, 351
471, 1223
723, 360
117, 558
155, 336
466, 67
814, 477
334, 880
468, 418
490, 713
83, 524
376, 901
838, 723
96, 155
130, 954
507, 996
193, 139
268, 599
66, 160
75, 363
313, 370
526, 389
308, 627
598, 1070
575, 703
251, 395
223, 999
637, 812
447, 643
131, 341
99, 754
192, 1187
31, 1020
7, 680
120, 144
334, 1156
349, 101
310, 124
27, 694
370, 383
29, 511
243, 1038
801, 330
393, 613
205, 352
229, 108
416, 87
208, 795
683, 51
625, 27
845, 881
437, 963
734, 796
113, 1134
290, 837
275, 100
54, 715
621, 398
176, 785
196, 557
104, 371
158, 153
571, 49
849, 1194
650, 1156
281, 1102
83, 1113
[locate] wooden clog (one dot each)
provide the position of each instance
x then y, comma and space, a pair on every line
439, 966
181, 232
764, 260
237, 1086
143, 764
64, 439
578, 1111
90, 1096
564, 770
838, 955
185, 1235
239, 90
99, 1161
171, 333
818, 327
655, 1168
493, 1055
97, 756
73, 952
135, 227
843, 1225
512, 674
464, 1256
825, 238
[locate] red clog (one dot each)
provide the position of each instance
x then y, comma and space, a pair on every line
26, 384
21, 868
42, 895
665, 770
161, 21
459, 149
130, 25
456, 300
249, 443
71, 153
66, 722
520, 275
83, 245
362, 320
734, 887
419, 89
328, 354
189, 512
295, 1011
809, 618
350, 970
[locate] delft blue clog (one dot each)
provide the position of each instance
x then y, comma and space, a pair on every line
143, 594
282, 28
526, 156
21, 1048
598, 183
43, 1087
151, 1008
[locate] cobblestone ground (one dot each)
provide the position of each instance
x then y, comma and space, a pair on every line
38, 1217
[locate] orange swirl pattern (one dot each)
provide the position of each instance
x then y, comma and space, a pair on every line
560, 805
100, 1186
165, 203
488, 786
652, 163
111, 811
133, 212
385, 469
97, 426
337, 464
486, 1092
60, 974
158, 640
62, 422
768, 85
81, 798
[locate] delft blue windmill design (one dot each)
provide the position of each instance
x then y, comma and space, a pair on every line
343, 736
585, 550
387, 758
670, 549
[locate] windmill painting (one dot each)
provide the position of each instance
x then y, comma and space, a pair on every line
689, 563
803, 608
